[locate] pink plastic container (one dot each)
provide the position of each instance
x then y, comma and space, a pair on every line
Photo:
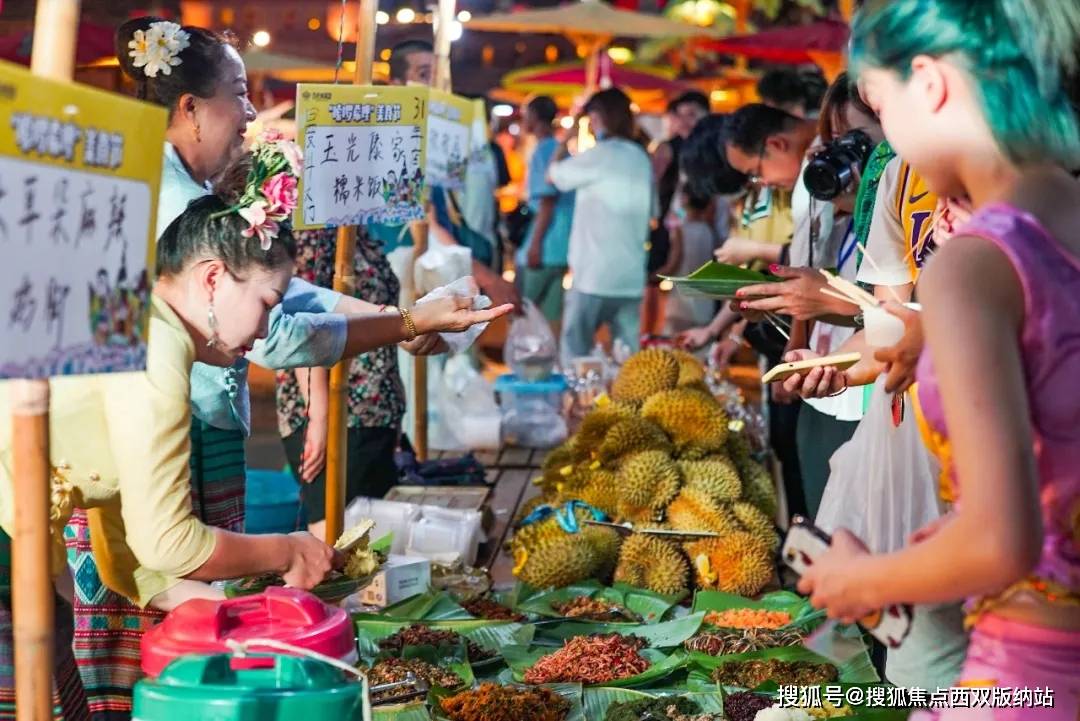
280, 614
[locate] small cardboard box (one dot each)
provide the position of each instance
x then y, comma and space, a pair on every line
401, 577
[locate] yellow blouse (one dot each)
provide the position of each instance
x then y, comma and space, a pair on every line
123, 443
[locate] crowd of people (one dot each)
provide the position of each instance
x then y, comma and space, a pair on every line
937, 173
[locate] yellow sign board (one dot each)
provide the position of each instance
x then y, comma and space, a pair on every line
364, 154
448, 130
79, 176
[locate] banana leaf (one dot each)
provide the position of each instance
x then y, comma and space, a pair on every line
719, 280
796, 606
648, 606
414, 711
597, 700
489, 635
427, 606
856, 670
570, 691
667, 634
521, 658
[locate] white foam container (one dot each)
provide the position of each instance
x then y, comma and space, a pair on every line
883, 329
389, 516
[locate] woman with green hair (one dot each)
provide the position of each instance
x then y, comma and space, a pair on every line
974, 96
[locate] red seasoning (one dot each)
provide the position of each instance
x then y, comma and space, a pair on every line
591, 660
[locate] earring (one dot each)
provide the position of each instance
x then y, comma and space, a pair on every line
198, 133
211, 321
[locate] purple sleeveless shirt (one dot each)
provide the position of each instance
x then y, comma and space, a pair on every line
1050, 347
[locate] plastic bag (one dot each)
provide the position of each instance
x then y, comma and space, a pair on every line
464, 394
533, 423
530, 348
462, 288
883, 484
441, 265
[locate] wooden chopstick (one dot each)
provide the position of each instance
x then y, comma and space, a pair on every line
870, 259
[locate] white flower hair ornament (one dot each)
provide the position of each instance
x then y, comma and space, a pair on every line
157, 49
271, 194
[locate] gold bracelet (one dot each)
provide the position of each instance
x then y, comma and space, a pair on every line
409, 325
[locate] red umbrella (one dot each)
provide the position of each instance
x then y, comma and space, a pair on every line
93, 42
786, 45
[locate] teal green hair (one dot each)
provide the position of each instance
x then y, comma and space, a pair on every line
1020, 53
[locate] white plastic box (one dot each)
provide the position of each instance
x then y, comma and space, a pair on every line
390, 517
446, 534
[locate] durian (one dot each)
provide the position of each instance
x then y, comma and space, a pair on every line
598, 491
595, 426
694, 510
654, 564
637, 515
691, 369
644, 374
605, 544
632, 435
715, 475
737, 563
755, 522
650, 479
758, 487
531, 505
556, 562
689, 418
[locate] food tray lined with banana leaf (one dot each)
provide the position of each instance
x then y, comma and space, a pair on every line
592, 601
720, 280
784, 666
482, 639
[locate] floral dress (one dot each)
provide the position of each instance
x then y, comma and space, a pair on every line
376, 394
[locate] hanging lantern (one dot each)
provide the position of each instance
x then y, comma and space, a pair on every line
197, 12
335, 23
551, 53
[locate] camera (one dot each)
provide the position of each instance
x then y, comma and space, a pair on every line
832, 171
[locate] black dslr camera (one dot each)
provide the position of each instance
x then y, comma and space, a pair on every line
832, 171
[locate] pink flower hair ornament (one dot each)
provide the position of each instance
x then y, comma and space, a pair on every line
271, 193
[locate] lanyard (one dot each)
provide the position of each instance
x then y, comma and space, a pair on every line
848, 246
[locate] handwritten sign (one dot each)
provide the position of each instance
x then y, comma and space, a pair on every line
364, 156
79, 176
448, 130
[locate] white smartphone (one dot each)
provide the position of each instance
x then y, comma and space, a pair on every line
784, 371
804, 543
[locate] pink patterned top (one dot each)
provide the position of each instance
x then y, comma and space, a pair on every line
1050, 346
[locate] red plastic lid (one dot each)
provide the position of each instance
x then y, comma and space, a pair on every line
281, 614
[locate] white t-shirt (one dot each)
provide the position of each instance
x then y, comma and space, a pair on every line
806, 212
826, 338
886, 243
615, 200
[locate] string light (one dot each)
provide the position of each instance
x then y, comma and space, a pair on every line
381, 17
405, 15
464, 16
261, 39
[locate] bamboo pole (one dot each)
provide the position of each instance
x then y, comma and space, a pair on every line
345, 282
442, 44
56, 24
419, 233
31, 587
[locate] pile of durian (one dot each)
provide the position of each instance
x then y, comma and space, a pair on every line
659, 453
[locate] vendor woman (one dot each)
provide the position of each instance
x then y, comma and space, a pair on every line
200, 78
125, 438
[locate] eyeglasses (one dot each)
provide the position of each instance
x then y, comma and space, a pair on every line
755, 178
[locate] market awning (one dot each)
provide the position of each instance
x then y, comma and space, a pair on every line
801, 44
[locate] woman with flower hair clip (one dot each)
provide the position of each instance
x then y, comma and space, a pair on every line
199, 77
974, 96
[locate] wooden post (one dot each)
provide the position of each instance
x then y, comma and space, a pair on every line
445, 19
345, 282
56, 25
31, 582
419, 233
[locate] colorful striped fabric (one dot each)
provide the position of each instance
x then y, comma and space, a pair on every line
109, 628
69, 699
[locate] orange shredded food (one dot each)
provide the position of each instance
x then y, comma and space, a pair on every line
748, 618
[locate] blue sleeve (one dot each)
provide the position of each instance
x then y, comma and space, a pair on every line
303, 333
539, 186
304, 297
